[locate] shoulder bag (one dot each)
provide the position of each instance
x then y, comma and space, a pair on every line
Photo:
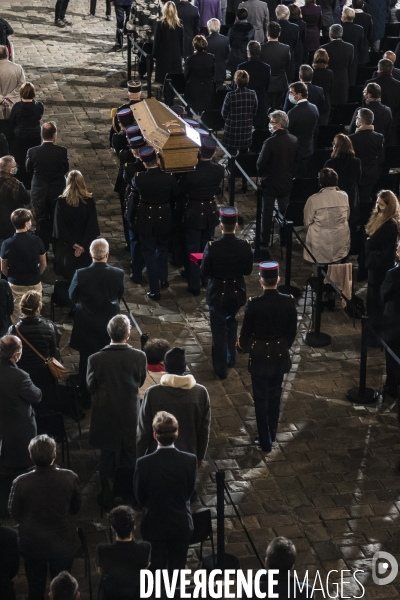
55, 367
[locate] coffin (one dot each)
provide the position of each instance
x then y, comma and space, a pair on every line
176, 143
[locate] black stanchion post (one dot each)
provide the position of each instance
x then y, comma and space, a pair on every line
232, 168
316, 339
129, 57
223, 560
362, 394
257, 239
287, 288
149, 68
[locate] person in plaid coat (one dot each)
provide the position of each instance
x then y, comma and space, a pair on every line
239, 109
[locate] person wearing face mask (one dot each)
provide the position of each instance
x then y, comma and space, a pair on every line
276, 167
303, 123
390, 331
13, 195
17, 416
382, 232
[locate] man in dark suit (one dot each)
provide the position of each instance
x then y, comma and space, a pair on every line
219, 46
49, 165
340, 60
190, 19
96, 291
315, 93
276, 166
352, 34
260, 76
277, 56
390, 88
17, 417
289, 35
392, 57
365, 21
114, 376
383, 119
163, 484
303, 124
368, 147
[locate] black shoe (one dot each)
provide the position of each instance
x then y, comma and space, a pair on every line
231, 364
164, 285
135, 279
194, 292
184, 274
220, 375
59, 23
244, 188
330, 304
66, 22
155, 297
116, 48
258, 445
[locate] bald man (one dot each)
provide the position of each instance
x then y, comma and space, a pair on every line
392, 57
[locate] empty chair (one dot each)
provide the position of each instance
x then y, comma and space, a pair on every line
326, 134
248, 162
219, 98
304, 188
364, 74
343, 113
258, 138
294, 212
356, 94
53, 425
392, 161
213, 120
390, 43
392, 30
322, 157
202, 530
178, 82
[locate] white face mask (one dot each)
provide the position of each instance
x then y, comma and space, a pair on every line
292, 99
271, 128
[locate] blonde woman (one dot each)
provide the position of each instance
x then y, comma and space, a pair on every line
75, 226
382, 231
168, 43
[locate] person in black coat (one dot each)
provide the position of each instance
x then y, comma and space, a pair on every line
190, 19
120, 563
42, 334
260, 76
299, 50
150, 215
383, 120
96, 291
9, 562
303, 124
168, 43
225, 262
382, 230
365, 21
289, 36
199, 77
276, 167
352, 34
368, 146
315, 93
390, 329
277, 56
240, 34
341, 56
348, 169
323, 78
75, 227
218, 45
198, 189
392, 57
18, 396
390, 89
163, 484
13, 195
49, 164
25, 119
114, 376
42, 502
6, 306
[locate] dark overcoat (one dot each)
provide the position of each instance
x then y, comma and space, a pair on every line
312, 15
340, 61
260, 77
218, 45
200, 86
114, 376
167, 50
96, 291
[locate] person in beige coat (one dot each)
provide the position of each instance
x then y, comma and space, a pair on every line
12, 76
326, 216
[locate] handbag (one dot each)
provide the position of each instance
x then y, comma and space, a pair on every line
55, 367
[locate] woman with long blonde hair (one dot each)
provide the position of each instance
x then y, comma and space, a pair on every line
168, 43
75, 226
380, 248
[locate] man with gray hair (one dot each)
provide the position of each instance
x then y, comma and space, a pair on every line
276, 166
218, 45
352, 34
114, 376
96, 291
383, 120
368, 147
341, 55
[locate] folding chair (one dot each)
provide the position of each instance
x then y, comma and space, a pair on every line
178, 81
392, 161
60, 297
326, 134
202, 531
213, 120
356, 94
304, 188
258, 138
219, 99
390, 43
343, 113
322, 157
364, 74
392, 30
54, 426
83, 551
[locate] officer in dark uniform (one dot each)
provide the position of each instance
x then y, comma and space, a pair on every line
120, 144
199, 188
131, 168
225, 261
268, 332
154, 191
134, 96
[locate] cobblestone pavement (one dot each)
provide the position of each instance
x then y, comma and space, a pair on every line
332, 484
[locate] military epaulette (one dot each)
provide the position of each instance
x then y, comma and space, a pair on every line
292, 297
125, 165
113, 112
250, 299
210, 243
